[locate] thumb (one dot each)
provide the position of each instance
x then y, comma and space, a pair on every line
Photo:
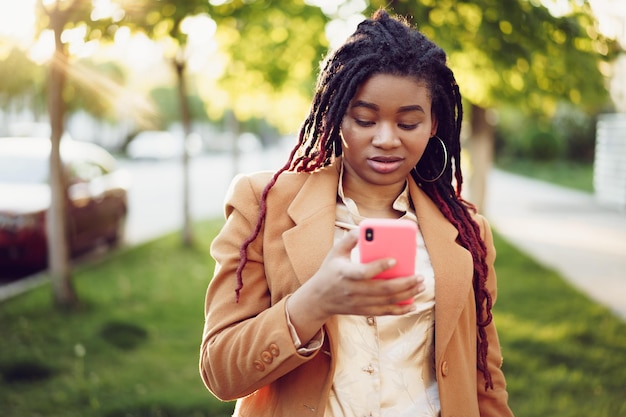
347, 243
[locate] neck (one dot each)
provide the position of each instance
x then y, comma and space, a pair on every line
374, 200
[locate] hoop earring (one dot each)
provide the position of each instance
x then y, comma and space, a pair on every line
445, 161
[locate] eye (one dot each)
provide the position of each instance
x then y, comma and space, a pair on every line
405, 126
363, 123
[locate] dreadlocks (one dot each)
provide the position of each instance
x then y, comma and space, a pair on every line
386, 45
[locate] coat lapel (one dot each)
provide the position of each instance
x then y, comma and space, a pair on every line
313, 213
452, 265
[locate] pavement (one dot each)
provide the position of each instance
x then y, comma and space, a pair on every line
565, 230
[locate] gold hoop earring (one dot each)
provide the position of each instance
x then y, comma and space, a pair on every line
445, 161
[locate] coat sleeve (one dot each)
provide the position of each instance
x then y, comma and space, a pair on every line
492, 402
246, 344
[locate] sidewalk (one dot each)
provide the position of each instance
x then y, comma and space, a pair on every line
565, 230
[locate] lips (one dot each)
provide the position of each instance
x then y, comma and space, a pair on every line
385, 164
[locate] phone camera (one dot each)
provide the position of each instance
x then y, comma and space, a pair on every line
369, 234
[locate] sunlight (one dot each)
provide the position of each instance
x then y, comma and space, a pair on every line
17, 19
104, 9
42, 50
557, 7
201, 43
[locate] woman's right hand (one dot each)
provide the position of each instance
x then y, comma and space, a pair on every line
341, 286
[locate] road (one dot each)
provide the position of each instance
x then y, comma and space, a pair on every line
156, 195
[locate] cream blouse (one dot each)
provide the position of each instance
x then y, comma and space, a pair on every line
386, 364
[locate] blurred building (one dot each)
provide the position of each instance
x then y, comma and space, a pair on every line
610, 155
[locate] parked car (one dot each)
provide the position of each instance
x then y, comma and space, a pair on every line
97, 201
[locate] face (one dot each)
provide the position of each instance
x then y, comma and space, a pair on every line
385, 130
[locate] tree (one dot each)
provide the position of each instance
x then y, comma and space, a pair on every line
22, 80
260, 37
515, 52
94, 87
160, 20
275, 48
58, 16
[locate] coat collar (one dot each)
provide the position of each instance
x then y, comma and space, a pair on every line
452, 263
307, 243
312, 211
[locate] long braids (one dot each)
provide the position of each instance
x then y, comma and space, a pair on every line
386, 45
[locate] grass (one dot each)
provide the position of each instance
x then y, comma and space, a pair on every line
564, 355
131, 349
578, 176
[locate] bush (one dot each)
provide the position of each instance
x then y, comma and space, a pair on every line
542, 144
569, 135
578, 132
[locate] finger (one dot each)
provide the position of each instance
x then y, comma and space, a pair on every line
391, 291
399, 303
372, 269
347, 243
358, 271
381, 292
393, 309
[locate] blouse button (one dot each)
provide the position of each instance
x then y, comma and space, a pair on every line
368, 370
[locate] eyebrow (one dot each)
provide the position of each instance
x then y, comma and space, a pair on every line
403, 109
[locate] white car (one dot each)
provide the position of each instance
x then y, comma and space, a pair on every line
97, 199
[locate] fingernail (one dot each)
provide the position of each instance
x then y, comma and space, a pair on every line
391, 263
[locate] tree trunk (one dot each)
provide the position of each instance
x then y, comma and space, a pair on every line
56, 223
179, 65
480, 147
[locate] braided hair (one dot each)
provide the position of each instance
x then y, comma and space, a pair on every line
389, 45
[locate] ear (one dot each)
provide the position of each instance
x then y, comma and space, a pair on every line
435, 124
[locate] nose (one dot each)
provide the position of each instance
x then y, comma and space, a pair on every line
385, 136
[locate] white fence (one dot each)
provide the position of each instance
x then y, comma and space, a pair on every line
609, 171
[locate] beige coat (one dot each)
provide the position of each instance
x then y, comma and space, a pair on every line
247, 352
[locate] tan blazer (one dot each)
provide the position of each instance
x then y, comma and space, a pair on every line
247, 352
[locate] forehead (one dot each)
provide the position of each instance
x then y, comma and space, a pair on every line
388, 88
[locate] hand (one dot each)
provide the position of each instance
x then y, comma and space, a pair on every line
341, 286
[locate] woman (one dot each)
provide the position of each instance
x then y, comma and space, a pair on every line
295, 325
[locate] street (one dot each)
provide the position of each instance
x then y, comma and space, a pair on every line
156, 195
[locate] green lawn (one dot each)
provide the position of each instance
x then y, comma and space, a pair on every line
131, 349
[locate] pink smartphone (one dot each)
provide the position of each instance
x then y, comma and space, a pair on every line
389, 238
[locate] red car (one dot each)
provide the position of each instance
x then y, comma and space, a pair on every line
97, 199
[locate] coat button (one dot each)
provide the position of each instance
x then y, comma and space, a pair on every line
258, 365
274, 350
444, 368
267, 357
